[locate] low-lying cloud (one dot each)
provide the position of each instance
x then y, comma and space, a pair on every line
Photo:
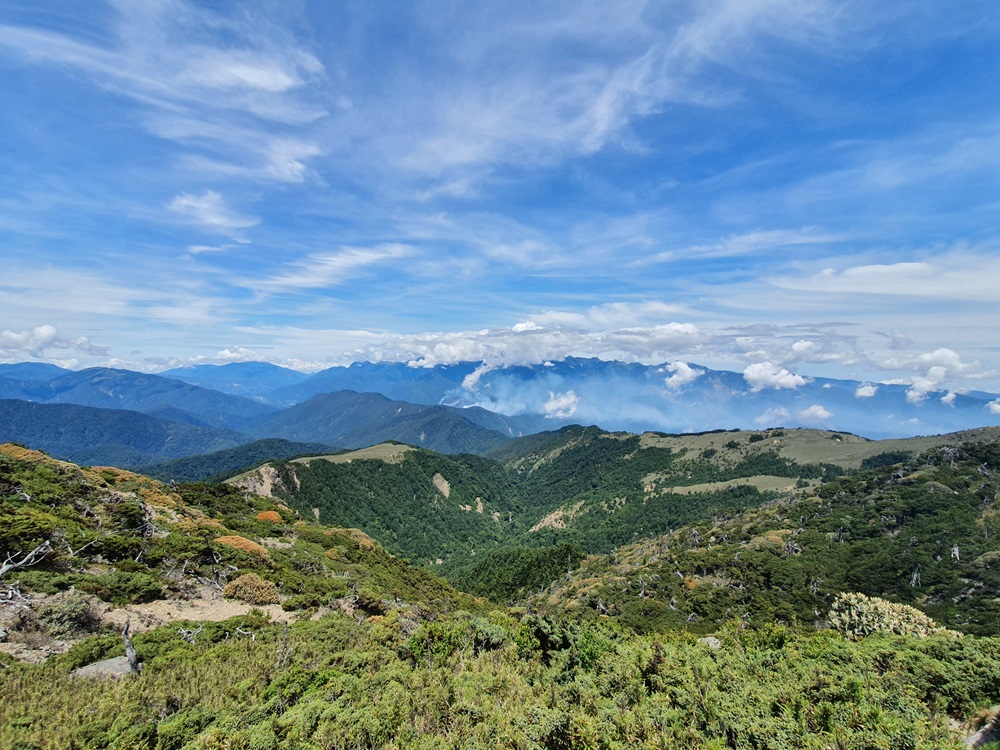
763, 375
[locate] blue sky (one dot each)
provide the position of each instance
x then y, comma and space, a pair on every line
813, 185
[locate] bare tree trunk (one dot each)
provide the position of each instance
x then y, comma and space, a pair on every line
133, 659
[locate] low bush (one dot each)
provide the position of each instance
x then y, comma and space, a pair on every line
251, 589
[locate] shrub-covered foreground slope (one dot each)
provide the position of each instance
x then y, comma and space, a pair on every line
401, 660
126, 539
501, 681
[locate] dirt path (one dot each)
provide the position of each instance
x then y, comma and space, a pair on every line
208, 605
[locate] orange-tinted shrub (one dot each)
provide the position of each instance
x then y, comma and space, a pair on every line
241, 543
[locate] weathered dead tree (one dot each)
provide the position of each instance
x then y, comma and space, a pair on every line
133, 659
30, 558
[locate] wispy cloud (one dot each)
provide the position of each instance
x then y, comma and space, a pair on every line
959, 275
324, 270
232, 98
209, 209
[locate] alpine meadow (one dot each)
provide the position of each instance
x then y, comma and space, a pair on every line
550, 376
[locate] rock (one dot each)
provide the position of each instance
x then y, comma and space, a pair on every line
115, 667
711, 642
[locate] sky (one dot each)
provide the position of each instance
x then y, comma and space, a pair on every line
755, 185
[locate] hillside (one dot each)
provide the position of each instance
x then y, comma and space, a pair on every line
348, 419
423, 505
385, 654
392, 656
505, 527
924, 532
90, 435
122, 538
220, 465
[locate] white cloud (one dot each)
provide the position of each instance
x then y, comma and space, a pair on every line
227, 77
865, 391
561, 405
37, 341
763, 375
934, 371
683, 374
330, 269
994, 406
209, 209
773, 417
959, 275
750, 243
815, 413
237, 354
949, 398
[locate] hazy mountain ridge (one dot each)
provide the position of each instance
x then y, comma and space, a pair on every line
349, 419
94, 436
110, 388
667, 397
250, 379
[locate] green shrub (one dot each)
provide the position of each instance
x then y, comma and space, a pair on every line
68, 615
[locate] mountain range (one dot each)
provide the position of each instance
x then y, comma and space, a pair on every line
462, 408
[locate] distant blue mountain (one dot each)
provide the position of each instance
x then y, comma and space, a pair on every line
517, 400
249, 379
109, 388
109, 437
41, 371
348, 419
394, 380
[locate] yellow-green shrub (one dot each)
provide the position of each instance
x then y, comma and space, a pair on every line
251, 589
857, 615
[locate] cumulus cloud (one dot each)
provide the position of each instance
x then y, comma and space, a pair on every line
237, 354
41, 339
526, 326
949, 398
773, 417
683, 374
865, 391
561, 405
994, 406
935, 370
763, 375
815, 413
528, 345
